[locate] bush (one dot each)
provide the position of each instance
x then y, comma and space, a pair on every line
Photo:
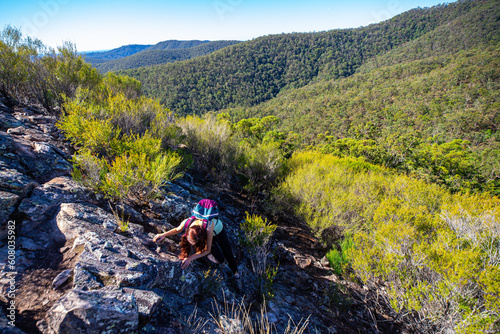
261, 165
437, 252
257, 233
210, 142
339, 260
325, 190
120, 144
33, 73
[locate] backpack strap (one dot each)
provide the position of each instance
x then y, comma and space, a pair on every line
188, 222
193, 218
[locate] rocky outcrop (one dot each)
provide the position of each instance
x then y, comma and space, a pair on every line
97, 311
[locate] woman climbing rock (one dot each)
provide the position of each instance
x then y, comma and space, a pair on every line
204, 233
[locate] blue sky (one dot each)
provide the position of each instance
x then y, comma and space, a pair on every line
107, 24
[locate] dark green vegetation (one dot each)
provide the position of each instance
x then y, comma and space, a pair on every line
164, 52
383, 140
256, 71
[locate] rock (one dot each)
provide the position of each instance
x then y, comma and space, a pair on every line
147, 302
46, 198
110, 258
84, 280
14, 181
61, 278
7, 325
98, 311
189, 189
293, 255
8, 203
127, 213
302, 261
176, 208
28, 244
73, 219
297, 279
324, 262
110, 224
8, 121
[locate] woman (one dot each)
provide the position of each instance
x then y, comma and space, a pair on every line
204, 232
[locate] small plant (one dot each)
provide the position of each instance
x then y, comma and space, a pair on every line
340, 259
258, 232
237, 319
193, 324
211, 282
121, 221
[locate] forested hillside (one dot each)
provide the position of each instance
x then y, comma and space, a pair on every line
156, 55
257, 70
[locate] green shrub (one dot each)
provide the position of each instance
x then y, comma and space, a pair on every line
211, 144
257, 233
261, 165
120, 144
339, 260
32, 73
437, 252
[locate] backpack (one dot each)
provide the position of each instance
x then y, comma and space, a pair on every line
206, 210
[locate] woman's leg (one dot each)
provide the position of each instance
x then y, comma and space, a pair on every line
222, 241
216, 252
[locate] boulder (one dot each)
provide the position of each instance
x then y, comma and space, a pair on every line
147, 302
108, 258
99, 311
176, 208
46, 198
48, 162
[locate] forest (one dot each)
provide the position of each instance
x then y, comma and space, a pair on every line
258, 70
383, 140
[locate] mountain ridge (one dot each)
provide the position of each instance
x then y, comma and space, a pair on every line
257, 70
158, 55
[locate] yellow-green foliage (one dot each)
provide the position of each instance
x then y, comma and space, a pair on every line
257, 231
30, 72
330, 190
120, 140
224, 149
438, 252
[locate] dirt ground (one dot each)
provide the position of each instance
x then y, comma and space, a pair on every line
36, 294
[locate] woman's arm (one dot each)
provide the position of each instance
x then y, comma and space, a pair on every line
175, 230
210, 235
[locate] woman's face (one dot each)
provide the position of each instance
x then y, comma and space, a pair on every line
192, 238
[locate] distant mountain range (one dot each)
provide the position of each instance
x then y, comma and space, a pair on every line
137, 55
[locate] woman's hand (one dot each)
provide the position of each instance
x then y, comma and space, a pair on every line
185, 263
158, 238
